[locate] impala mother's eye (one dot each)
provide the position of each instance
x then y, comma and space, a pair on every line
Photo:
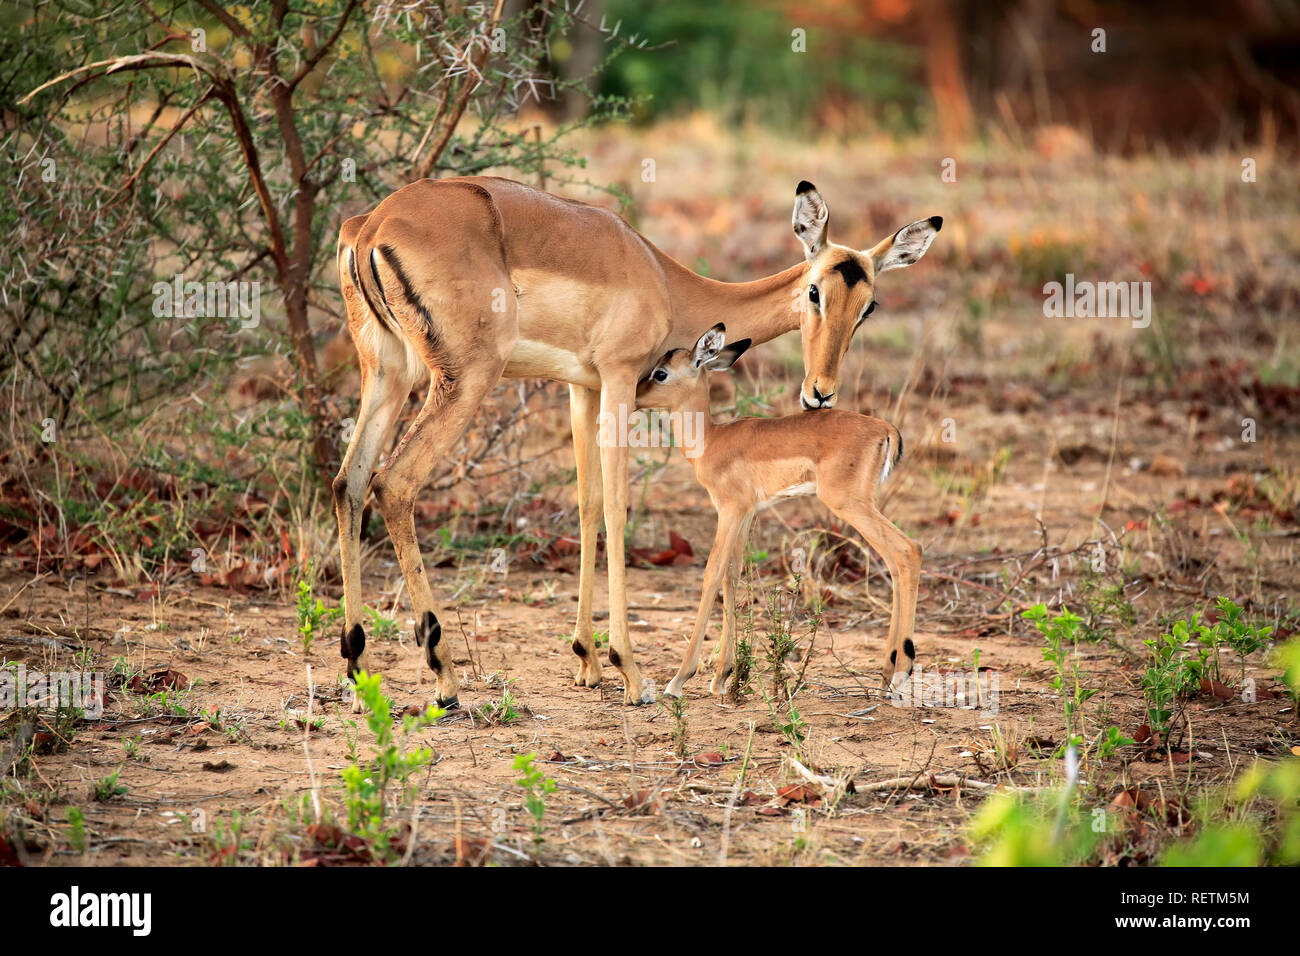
866, 312
813, 296
660, 375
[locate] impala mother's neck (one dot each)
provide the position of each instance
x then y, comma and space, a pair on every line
759, 310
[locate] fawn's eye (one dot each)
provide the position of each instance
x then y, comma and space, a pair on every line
813, 296
871, 308
660, 375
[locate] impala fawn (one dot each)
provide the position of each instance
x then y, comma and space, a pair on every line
750, 464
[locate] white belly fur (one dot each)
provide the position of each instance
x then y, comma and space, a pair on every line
546, 301
794, 491
541, 360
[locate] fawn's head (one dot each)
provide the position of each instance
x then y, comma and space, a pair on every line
841, 288
680, 377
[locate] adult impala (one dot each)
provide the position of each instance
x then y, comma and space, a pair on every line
468, 281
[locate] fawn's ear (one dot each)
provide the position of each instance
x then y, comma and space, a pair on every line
709, 345
728, 356
905, 246
811, 218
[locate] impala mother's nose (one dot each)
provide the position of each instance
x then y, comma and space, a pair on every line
818, 400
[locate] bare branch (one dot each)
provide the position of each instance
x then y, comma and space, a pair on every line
227, 20
325, 47
424, 165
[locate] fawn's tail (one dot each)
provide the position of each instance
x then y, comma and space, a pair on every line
893, 452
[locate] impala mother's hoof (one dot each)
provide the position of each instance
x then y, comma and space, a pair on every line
588, 670
647, 695
896, 675
352, 645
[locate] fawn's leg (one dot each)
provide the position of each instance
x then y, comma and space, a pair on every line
903, 557
730, 593
724, 545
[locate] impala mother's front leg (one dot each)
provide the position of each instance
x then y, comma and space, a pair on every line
617, 404
584, 412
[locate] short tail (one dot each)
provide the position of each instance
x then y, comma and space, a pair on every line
893, 452
363, 261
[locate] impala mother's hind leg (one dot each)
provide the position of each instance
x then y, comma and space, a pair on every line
452, 304
443, 419
382, 397
385, 382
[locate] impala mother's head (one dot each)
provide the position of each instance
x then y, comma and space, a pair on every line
840, 290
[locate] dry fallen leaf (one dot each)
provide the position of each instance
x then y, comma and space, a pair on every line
1166, 466
1217, 688
472, 851
159, 680
799, 793
640, 802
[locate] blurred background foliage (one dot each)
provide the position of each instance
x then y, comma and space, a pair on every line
732, 58
1163, 72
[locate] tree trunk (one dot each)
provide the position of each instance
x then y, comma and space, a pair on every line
943, 67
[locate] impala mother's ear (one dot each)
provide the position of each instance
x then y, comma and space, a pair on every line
811, 219
905, 246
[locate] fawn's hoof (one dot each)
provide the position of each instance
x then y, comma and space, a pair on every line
718, 686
